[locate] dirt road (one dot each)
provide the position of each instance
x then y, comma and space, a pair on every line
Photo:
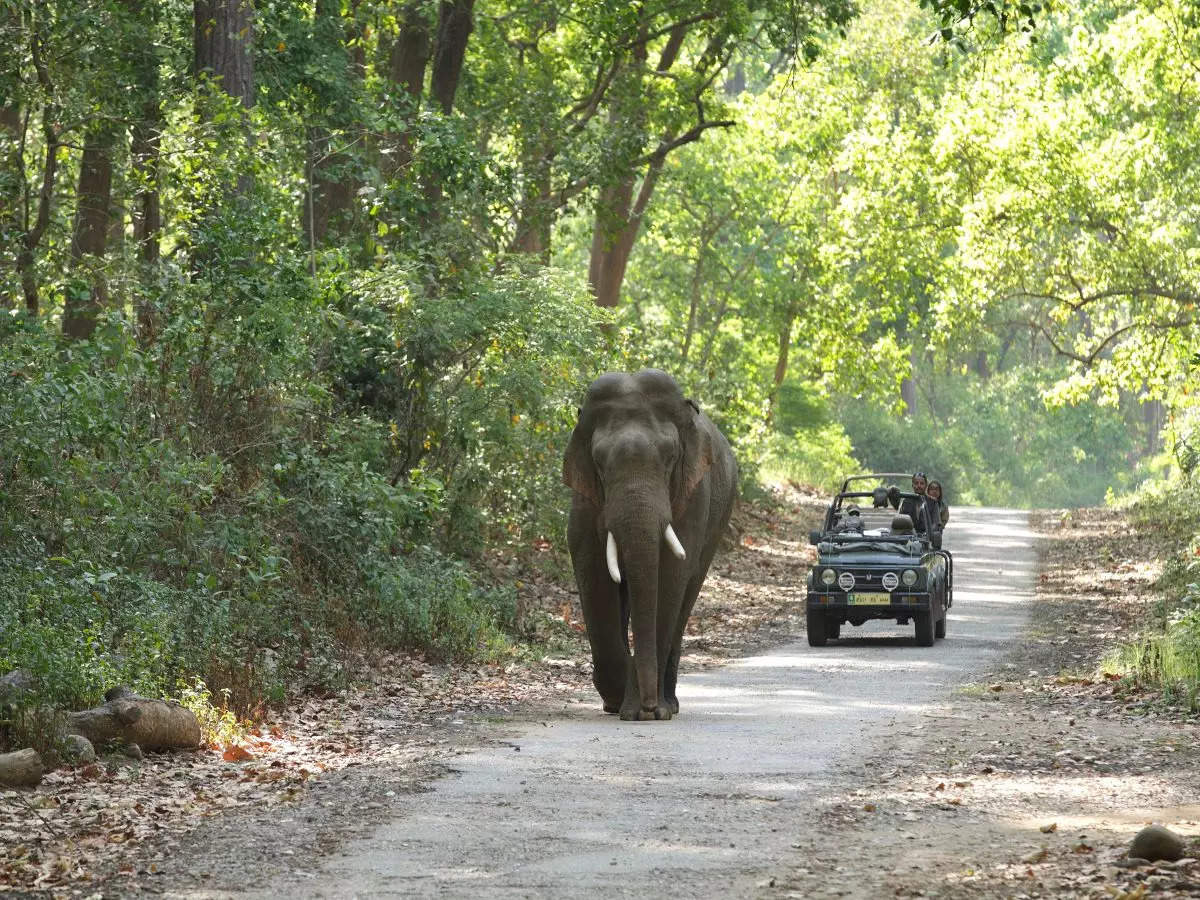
709, 804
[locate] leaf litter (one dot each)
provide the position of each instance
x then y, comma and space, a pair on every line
125, 825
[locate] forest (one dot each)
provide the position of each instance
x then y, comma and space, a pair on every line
299, 298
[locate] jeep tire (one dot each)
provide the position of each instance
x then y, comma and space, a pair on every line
923, 624
815, 622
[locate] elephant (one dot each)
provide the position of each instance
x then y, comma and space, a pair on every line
654, 483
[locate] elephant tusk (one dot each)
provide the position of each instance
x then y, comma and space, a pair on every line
673, 541
610, 553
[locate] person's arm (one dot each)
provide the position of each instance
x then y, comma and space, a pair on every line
945, 514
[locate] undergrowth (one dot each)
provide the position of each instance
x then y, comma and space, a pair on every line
1166, 654
219, 509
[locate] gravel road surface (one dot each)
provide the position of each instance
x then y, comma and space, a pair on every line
710, 803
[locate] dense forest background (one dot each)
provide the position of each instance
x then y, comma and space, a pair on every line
298, 298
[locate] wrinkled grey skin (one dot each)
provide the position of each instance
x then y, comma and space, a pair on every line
642, 456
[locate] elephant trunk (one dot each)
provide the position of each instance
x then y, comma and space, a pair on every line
638, 532
640, 556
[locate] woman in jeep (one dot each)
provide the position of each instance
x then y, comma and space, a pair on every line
937, 513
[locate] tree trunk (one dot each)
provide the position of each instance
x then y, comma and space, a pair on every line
12, 175
223, 46
784, 346
455, 24
223, 52
329, 198
537, 211
407, 63
20, 769
33, 232
90, 234
26, 255
1152, 416
129, 719
908, 386
145, 149
694, 295
908, 393
616, 228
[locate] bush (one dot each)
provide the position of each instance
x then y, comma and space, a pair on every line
224, 505
1167, 653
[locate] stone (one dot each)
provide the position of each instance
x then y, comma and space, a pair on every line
78, 750
1154, 842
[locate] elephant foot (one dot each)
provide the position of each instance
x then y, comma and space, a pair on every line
612, 708
673, 705
660, 713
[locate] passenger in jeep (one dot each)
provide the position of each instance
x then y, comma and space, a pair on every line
937, 513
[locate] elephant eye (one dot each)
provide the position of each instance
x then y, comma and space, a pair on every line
668, 450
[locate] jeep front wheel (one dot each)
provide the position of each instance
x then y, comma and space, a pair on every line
816, 628
923, 621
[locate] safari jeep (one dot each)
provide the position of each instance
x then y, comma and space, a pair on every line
873, 563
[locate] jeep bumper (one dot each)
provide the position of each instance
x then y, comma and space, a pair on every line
900, 605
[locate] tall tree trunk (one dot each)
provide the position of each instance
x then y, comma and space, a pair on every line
90, 234
618, 220
223, 51
223, 46
908, 385
537, 210
618, 215
408, 61
12, 176
694, 294
33, 231
1152, 416
784, 346
145, 149
330, 194
455, 24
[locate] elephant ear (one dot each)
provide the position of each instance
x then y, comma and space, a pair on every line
695, 458
579, 472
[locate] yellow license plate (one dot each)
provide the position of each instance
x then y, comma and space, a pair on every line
869, 599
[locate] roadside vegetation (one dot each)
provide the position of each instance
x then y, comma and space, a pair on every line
1165, 656
289, 351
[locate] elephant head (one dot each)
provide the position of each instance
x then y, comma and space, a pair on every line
637, 458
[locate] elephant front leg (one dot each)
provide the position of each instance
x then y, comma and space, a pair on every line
634, 708
606, 631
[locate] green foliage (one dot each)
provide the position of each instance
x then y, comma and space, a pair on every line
226, 518
218, 725
997, 443
819, 456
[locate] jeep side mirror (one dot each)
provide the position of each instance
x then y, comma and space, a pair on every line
814, 537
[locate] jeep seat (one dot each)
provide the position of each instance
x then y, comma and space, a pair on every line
902, 524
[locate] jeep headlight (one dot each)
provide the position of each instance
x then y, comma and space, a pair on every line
828, 577
909, 577
890, 581
846, 581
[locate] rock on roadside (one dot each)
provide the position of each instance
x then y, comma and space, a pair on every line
1154, 842
78, 750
